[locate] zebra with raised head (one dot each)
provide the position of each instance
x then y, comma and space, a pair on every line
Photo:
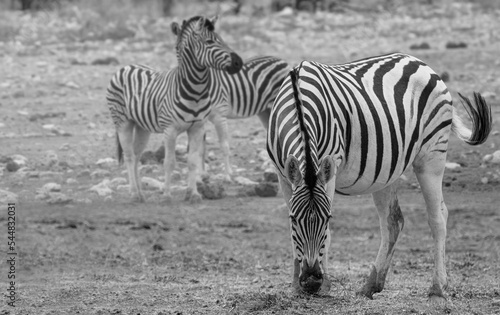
247, 93
354, 129
144, 101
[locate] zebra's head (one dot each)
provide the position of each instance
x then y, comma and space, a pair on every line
200, 45
307, 180
308, 197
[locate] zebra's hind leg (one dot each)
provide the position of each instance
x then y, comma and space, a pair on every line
195, 157
126, 139
169, 162
429, 172
391, 223
141, 138
221, 128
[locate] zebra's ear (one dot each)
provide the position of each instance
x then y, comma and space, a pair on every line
214, 19
328, 169
292, 170
175, 28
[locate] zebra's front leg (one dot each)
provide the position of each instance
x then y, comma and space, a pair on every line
221, 128
391, 223
169, 161
195, 160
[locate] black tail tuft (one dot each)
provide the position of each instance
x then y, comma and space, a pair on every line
119, 150
480, 114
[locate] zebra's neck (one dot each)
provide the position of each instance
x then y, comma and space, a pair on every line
192, 79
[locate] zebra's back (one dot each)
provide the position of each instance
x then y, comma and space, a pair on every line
140, 94
379, 113
251, 90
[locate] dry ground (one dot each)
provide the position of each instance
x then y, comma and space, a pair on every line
233, 256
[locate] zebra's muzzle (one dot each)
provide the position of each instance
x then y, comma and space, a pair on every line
236, 64
311, 278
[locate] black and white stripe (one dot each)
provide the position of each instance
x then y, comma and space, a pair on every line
354, 129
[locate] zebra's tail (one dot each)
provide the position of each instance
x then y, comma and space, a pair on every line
119, 150
480, 114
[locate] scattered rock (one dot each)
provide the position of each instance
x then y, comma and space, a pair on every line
100, 173
151, 183
12, 166
7, 197
102, 189
51, 187
495, 159
105, 61
19, 159
455, 45
117, 181
51, 158
452, 165
484, 180
211, 190
270, 175
57, 198
266, 189
106, 162
423, 45
71, 181
91, 125
244, 181
445, 76
147, 169
263, 155
72, 85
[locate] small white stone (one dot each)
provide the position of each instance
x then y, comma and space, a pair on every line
496, 157
484, 180
71, 181
151, 183
452, 165
487, 158
102, 189
244, 181
106, 162
51, 187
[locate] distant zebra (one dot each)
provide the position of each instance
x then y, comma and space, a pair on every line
248, 93
143, 101
354, 129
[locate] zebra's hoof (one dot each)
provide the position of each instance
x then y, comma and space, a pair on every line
437, 301
195, 198
138, 199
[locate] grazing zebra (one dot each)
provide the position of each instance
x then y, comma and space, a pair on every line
143, 101
249, 92
354, 129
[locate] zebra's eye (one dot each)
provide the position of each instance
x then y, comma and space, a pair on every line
210, 41
294, 219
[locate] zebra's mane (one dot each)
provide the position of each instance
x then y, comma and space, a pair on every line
182, 33
310, 177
